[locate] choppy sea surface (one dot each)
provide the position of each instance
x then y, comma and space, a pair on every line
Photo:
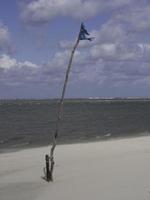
30, 123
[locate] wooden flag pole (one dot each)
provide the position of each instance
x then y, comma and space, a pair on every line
50, 168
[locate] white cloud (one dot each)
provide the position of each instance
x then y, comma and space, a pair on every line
15, 73
6, 63
4, 38
66, 44
116, 55
103, 51
110, 63
136, 17
119, 61
42, 11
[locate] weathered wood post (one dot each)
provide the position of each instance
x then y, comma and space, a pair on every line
59, 117
82, 36
48, 174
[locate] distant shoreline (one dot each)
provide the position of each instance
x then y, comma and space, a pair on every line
80, 99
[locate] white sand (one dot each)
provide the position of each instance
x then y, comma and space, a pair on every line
111, 170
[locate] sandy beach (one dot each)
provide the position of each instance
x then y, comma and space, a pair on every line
108, 170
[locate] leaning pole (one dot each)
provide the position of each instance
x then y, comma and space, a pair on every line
50, 166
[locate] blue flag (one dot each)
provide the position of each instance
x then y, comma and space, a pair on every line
84, 33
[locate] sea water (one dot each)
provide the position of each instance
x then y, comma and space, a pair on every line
29, 123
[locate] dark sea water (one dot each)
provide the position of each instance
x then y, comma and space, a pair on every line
29, 123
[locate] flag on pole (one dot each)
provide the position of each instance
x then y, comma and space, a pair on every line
84, 33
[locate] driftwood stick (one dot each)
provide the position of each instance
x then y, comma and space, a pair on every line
48, 174
60, 111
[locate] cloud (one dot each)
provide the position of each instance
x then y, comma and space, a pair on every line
104, 51
4, 38
7, 63
16, 73
136, 17
112, 64
43, 11
113, 58
117, 56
